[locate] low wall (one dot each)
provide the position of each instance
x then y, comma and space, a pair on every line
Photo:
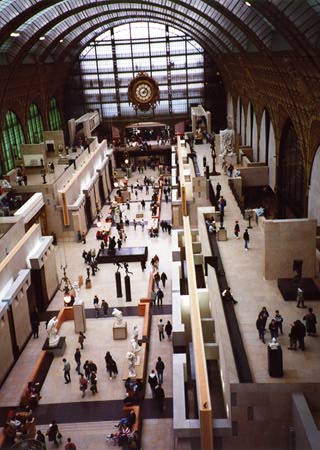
255, 176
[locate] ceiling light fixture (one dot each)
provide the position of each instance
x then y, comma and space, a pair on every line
42, 38
247, 3
61, 40
15, 34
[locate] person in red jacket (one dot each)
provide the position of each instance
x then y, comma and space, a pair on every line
70, 445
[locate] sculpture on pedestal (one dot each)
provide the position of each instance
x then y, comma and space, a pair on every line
131, 357
117, 314
76, 289
226, 142
52, 331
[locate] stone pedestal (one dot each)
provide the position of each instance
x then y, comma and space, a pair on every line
57, 350
222, 234
119, 332
79, 316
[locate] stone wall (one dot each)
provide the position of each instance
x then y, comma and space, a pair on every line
286, 240
5, 347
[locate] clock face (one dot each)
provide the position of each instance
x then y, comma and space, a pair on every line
143, 92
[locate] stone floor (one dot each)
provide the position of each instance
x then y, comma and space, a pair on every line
244, 271
91, 435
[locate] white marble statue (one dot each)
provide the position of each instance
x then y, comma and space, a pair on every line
135, 347
135, 333
52, 331
117, 314
76, 289
226, 142
131, 357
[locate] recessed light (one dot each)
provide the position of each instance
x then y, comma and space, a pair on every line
42, 38
247, 3
15, 34
61, 40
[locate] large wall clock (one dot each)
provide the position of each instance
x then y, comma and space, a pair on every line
143, 92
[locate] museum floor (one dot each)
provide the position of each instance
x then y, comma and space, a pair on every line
88, 420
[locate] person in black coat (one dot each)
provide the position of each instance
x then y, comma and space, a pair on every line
260, 324
153, 382
168, 329
301, 332
163, 279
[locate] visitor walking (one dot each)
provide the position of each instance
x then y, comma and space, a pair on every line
160, 296
70, 445
264, 313
168, 329
293, 335
104, 308
160, 368
53, 433
153, 382
236, 229
300, 298
96, 305
279, 320
160, 396
218, 190
156, 278
310, 321
81, 339
273, 328
160, 329
93, 383
83, 384
260, 327
246, 239
66, 371
40, 437
222, 204
301, 333
35, 328
164, 279
77, 358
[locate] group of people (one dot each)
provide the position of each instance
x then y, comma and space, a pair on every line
298, 330
275, 326
155, 381
166, 226
104, 307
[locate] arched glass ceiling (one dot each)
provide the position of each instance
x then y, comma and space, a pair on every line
229, 25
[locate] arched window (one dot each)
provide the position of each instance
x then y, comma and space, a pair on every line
12, 138
54, 115
35, 125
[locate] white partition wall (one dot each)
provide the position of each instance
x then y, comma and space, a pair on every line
254, 143
238, 124
263, 139
243, 127
272, 163
249, 125
314, 192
